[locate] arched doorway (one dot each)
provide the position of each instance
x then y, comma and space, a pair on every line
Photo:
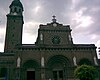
30, 69
57, 66
31, 74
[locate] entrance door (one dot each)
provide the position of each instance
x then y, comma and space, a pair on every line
58, 75
30, 75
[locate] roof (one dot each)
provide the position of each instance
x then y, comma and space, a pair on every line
16, 3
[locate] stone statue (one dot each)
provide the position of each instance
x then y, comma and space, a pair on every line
49, 78
18, 62
95, 61
42, 61
74, 60
41, 36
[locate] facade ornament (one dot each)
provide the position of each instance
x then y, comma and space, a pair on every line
41, 36
95, 61
42, 61
54, 19
18, 62
74, 60
69, 37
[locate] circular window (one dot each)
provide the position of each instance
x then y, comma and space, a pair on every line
56, 40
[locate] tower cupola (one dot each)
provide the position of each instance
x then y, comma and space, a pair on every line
16, 7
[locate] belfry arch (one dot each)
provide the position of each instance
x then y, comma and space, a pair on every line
58, 65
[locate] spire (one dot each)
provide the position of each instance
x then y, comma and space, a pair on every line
54, 19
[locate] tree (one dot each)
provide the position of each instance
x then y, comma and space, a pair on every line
85, 72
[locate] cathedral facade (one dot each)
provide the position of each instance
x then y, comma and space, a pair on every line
54, 56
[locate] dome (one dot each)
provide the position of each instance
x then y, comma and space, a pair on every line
16, 3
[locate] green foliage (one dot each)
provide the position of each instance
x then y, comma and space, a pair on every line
85, 72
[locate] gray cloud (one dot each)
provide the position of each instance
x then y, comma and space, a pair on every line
92, 10
4, 8
49, 8
88, 4
64, 11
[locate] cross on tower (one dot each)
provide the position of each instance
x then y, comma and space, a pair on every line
54, 18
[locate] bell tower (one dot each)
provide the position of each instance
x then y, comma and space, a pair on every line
14, 26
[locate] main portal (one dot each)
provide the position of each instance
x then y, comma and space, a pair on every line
30, 75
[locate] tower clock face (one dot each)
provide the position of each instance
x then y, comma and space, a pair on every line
56, 40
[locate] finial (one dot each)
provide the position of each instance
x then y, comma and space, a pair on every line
54, 18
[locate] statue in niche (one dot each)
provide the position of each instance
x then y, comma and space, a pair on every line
41, 36
74, 60
18, 62
95, 61
42, 61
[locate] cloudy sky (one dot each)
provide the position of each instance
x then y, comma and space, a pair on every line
82, 15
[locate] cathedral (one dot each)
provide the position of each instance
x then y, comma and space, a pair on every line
53, 56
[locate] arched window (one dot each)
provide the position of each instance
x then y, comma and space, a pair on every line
15, 9
19, 10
